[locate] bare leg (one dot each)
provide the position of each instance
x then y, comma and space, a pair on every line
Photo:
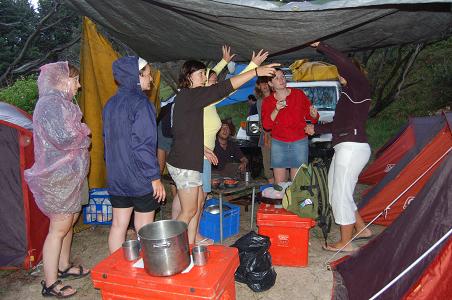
189, 206
173, 190
58, 229
65, 254
266, 157
194, 223
175, 207
142, 219
199, 237
280, 175
118, 230
359, 225
64, 260
346, 236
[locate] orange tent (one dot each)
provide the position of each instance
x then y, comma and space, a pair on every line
415, 155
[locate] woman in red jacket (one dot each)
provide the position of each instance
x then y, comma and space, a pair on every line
285, 113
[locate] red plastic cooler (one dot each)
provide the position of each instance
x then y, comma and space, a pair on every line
289, 235
117, 279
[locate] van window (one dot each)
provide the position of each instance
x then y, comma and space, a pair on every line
323, 97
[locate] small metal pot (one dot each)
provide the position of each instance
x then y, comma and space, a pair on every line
165, 247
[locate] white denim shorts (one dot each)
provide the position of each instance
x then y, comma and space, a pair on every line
184, 178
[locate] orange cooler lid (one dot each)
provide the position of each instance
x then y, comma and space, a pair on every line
115, 272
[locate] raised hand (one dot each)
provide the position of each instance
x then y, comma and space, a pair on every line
227, 53
267, 70
260, 57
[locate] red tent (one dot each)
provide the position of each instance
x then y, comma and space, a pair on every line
413, 156
412, 258
390, 154
24, 227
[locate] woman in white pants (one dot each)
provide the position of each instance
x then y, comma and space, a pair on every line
351, 150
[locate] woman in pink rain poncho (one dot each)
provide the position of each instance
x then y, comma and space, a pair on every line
61, 164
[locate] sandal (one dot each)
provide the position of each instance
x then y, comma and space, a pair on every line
51, 292
65, 273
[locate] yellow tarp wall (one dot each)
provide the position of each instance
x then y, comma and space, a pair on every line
98, 85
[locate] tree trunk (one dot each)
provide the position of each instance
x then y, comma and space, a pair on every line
389, 91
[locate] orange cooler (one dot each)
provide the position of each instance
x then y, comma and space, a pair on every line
118, 279
289, 235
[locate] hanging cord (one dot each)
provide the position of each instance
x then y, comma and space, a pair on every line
412, 265
355, 102
387, 207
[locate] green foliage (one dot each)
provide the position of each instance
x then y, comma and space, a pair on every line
21, 17
432, 75
19, 21
64, 32
381, 129
237, 112
23, 93
165, 91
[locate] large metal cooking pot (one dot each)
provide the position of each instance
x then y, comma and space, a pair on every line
165, 247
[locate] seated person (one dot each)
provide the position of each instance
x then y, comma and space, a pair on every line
227, 152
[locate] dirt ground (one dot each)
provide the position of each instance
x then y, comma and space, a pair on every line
90, 247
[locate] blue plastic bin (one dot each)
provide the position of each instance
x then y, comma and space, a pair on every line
264, 186
209, 226
99, 210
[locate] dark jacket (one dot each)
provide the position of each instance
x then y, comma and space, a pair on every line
130, 134
349, 123
187, 150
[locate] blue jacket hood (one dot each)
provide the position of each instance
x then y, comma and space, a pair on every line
126, 73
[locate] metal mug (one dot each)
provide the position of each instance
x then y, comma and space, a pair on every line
131, 249
200, 254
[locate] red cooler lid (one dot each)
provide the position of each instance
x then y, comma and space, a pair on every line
276, 215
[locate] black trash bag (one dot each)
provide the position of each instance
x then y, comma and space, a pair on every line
255, 267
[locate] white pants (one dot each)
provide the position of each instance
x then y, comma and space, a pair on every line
348, 161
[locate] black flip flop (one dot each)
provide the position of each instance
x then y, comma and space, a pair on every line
364, 237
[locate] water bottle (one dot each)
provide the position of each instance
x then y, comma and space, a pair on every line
247, 176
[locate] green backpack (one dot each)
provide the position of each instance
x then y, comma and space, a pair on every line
307, 196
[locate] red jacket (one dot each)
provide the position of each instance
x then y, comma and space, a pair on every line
290, 122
